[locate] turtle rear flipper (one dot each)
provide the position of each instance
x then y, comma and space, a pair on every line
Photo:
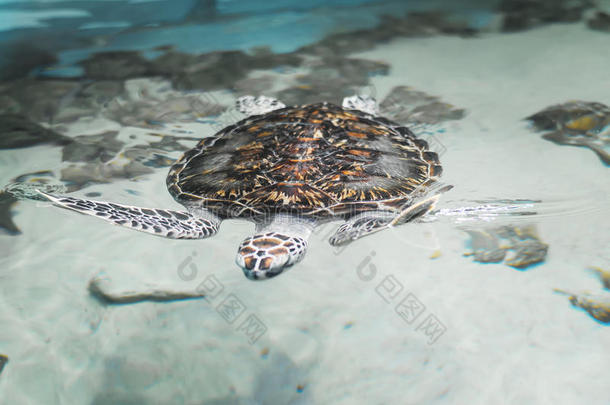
166, 223
250, 105
374, 221
365, 104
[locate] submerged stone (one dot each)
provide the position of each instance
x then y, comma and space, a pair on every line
39, 101
578, 123
516, 246
597, 306
519, 15
116, 65
485, 247
7, 203
413, 24
332, 79
90, 148
216, 70
600, 22
405, 104
57, 101
19, 132
156, 109
3, 361
21, 58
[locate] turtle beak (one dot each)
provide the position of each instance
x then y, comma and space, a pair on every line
267, 255
260, 269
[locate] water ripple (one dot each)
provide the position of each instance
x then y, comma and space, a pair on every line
492, 209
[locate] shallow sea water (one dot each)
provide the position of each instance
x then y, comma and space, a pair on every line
400, 317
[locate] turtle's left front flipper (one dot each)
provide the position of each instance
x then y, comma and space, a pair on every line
165, 223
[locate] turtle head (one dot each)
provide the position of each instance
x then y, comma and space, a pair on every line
266, 255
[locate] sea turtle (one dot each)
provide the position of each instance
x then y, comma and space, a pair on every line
288, 170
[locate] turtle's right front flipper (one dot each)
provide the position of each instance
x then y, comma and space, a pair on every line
166, 223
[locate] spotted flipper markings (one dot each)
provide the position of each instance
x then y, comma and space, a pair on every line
365, 104
165, 223
250, 105
375, 221
360, 226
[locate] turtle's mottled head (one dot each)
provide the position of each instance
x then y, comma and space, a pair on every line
268, 254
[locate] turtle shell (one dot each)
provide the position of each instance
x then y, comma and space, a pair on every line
319, 159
